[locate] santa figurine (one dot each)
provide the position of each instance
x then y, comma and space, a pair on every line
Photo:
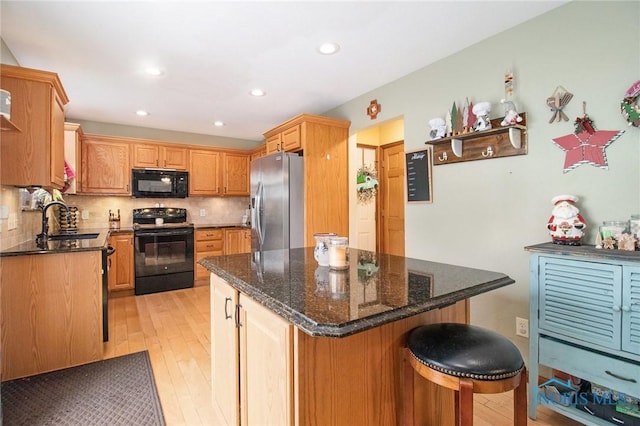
566, 224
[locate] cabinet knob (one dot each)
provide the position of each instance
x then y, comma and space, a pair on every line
625, 308
616, 308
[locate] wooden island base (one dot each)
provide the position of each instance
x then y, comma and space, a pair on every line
265, 370
294, 345
357, 380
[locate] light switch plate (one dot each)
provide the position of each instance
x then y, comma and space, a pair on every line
85, 214
4, 212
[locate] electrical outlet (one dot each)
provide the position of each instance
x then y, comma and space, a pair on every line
203, 212
85, 214
522, 327
12, 221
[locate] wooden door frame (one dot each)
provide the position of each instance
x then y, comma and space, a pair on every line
379, 198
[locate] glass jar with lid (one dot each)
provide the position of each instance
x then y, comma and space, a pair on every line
634, 225
613, 228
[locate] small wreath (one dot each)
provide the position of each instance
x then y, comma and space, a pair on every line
366, 184
629, 105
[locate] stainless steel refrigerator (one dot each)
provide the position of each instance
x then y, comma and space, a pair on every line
277, 202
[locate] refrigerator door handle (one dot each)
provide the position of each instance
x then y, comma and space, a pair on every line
259, 213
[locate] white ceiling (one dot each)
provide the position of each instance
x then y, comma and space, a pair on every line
214, 52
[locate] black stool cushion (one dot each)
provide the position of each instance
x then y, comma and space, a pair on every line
464, 350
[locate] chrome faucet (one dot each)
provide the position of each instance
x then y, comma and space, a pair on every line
42, 237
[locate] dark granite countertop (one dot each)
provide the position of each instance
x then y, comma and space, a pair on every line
61, 246
219, 225
375, 290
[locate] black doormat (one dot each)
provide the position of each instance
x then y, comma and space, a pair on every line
116, 391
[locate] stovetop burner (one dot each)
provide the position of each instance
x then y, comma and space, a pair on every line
160, 217
137, 226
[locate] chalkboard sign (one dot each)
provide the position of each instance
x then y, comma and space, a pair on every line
418, 172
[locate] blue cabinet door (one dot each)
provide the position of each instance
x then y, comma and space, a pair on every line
581, 301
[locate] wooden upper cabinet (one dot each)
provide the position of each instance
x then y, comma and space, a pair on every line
160, 156
287, 139
324, 142
258, 152
106, 165
204, 172
274, 143
291, 139
34, 155
213, 172
72, 149
235, 174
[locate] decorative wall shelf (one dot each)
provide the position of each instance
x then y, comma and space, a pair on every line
493, 143
7, 125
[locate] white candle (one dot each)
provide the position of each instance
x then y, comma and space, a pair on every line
338, 253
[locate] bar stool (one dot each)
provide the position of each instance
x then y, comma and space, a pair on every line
467, 359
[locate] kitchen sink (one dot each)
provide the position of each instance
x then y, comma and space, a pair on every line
72, 237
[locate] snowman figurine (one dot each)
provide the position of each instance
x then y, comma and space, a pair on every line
481, 111
438, 128
566, 225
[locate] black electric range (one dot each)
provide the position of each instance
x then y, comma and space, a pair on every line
163, 249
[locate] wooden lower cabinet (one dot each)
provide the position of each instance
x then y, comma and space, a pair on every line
267, 371
120, 263
255, 345
51, 316
208, 242
237, 240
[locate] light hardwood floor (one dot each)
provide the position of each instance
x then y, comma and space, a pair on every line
174, 327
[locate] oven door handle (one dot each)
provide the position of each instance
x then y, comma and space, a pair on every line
156, 233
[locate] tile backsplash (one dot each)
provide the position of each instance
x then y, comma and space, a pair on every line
94, 212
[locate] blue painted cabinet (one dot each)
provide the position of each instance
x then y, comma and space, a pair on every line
585, 320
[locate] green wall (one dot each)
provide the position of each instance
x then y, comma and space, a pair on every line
484, 212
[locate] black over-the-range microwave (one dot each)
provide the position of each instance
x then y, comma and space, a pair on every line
157, 183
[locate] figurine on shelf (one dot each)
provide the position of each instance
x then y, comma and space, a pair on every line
481, 110
566, 225
438, 128
511, 115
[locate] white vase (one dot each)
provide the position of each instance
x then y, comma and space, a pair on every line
321, 251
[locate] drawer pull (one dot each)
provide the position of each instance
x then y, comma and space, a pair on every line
626, 379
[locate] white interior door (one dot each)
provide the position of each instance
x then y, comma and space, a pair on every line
366, 212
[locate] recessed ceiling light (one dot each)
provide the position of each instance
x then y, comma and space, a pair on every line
218, 123
142, 113
257, 92
328, 48
153, 71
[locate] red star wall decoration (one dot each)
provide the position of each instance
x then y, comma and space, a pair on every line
586, 148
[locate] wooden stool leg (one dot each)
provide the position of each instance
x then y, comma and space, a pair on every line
465, 403
408, 389
520, 401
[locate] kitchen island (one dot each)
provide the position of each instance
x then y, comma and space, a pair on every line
295, 343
